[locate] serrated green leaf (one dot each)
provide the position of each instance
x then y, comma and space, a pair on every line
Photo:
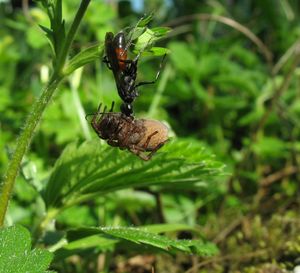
159, 228
145, 40
145, 37
84, 57
91, 169
142, 237
80, 239
57, 25
16, 254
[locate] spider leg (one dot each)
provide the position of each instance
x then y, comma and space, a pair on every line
149, 156
148, 139
139, 152
112, 106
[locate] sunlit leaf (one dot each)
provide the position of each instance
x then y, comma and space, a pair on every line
82, 244
270, 147
84, 57
16, 254
145, 20
161, 31
91, 169
142, 237
154, 51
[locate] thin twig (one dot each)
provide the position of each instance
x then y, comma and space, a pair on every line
225, 232
274, 177
285, 57
269, 108
279, 91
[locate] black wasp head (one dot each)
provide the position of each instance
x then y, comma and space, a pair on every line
126, 109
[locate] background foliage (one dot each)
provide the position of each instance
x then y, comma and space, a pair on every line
221, 92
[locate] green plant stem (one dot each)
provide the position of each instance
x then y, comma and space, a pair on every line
74, 83
160, 89
70, 36
23, 143
24, 140
278, 93
44, 223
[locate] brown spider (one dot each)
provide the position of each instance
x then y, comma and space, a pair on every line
136, 135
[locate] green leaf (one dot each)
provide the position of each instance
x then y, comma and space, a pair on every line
57, 25
16, 254
142, 237
159, 228
144, 21
50, 36
145, 37
154, 51
84, 57
91, 170
270, 148
82, 244
48, 31
80, 240
160, 31
181, 51
146, 40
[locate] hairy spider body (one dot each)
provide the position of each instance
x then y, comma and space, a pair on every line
136, 135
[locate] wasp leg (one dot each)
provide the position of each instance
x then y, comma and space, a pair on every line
157, 74
107, 62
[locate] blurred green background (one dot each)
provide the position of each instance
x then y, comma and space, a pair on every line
233, 84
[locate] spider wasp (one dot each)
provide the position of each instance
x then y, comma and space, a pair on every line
124, 70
